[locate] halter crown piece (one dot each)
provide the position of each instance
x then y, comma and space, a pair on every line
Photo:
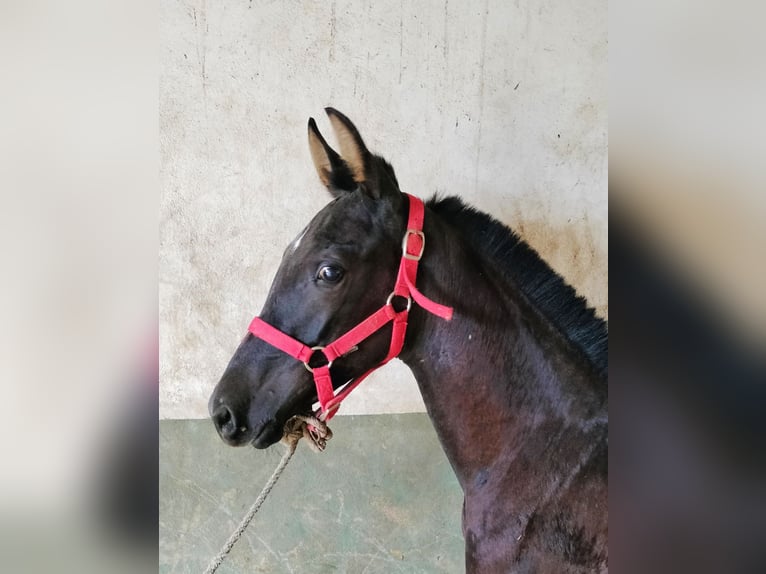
413, 245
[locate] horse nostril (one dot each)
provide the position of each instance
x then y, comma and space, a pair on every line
224, 421
223, 415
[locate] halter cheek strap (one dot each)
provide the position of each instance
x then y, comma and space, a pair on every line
413, 246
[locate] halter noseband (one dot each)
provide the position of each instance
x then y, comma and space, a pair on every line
413, 245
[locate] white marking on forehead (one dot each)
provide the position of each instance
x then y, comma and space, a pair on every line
297, 241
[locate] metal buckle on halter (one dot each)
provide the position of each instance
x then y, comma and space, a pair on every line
389, 301
407, 234
306, 363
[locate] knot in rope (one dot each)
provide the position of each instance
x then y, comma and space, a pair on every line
316, 432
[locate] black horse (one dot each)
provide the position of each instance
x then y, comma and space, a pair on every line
515, 383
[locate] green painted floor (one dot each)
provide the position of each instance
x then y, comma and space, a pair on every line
382, 498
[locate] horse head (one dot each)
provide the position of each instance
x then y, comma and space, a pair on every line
338, 270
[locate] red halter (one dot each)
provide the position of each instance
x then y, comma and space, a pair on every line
413, 245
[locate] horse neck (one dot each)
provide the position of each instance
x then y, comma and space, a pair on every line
499, 381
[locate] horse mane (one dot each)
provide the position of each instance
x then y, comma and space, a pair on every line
520, 264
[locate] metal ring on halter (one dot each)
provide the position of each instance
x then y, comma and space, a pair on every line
409, 301
306, 363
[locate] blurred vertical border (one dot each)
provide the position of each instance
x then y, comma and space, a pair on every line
688, 287
78, 297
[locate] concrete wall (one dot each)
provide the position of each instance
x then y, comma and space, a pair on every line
503, 103
382, 498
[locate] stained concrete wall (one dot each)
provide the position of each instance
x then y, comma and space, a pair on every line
503, 103
382, 498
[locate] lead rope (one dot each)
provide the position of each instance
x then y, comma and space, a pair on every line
317, 433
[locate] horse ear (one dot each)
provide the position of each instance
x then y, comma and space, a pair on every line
352, 148
374, 176
332, 170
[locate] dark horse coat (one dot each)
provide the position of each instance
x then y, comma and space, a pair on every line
515, 384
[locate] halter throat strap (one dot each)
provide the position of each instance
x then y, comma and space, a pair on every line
413, 246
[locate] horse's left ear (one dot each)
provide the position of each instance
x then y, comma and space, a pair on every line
352, 148
361, 163
331, 169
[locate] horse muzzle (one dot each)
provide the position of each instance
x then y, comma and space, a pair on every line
231, 429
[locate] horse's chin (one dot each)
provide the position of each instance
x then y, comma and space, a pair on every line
268, 435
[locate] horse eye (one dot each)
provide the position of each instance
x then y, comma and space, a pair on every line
330, 274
